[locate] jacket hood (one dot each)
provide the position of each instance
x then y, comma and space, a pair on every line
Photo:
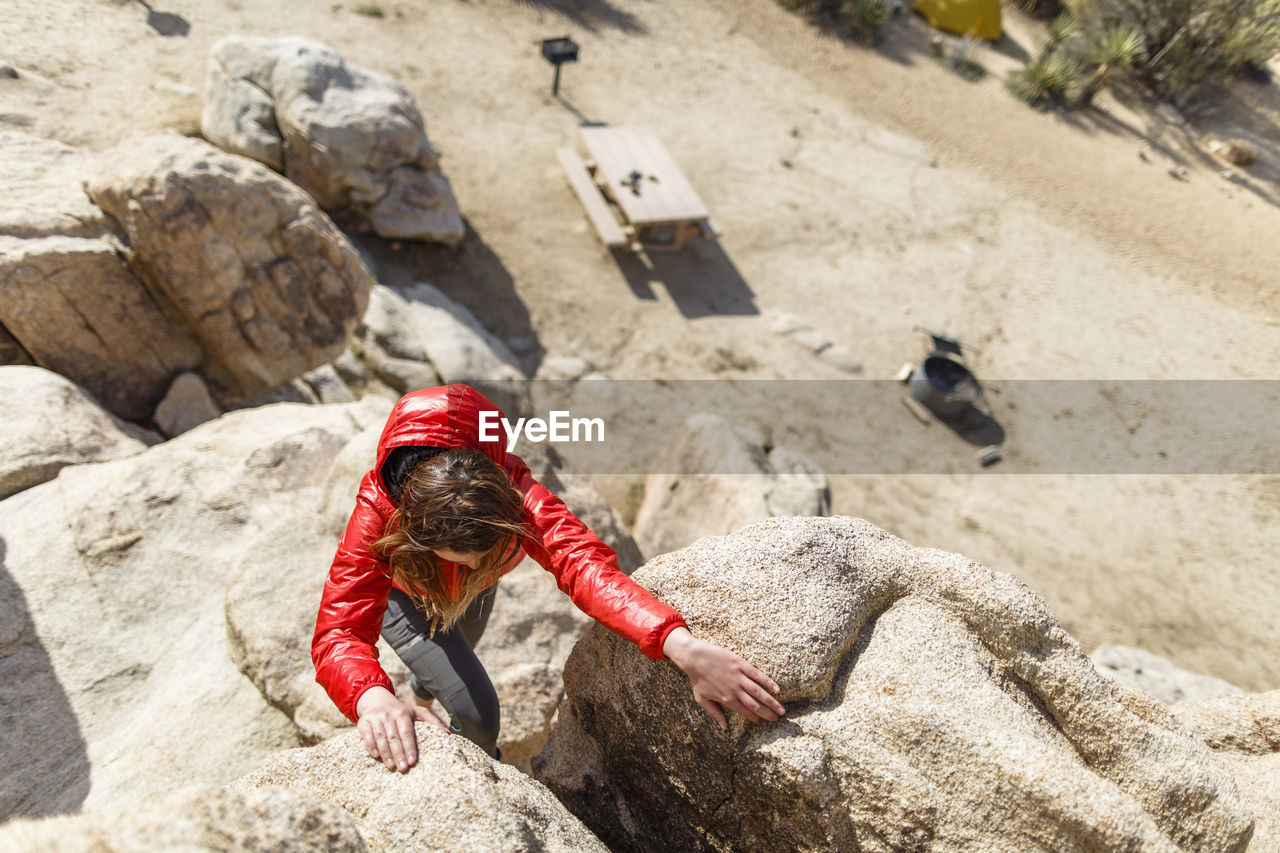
447, 416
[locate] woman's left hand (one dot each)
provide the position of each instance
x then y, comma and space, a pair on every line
721, 678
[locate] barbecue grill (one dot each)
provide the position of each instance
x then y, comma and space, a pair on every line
558, 51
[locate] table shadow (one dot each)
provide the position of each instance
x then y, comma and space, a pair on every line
700, 279
43, 755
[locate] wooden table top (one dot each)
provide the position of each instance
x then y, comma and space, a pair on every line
662, 195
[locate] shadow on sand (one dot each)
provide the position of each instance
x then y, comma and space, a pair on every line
700, 279
975, 427
471, 274
591, 15
165, 23
904, 38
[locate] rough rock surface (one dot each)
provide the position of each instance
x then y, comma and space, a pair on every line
187, 404
349, 466
353, 368
327, 385
243, 259
1244, 734
113, 642
932, 704
530, 695
679, 507
350, 137
530, 633
42, 192
563, 368
68, 301
1247, 724
597, 513
416, 337
11, 351
294, 391
1156, 676
49, 423
1237, 152
256, 820
455, 799
271, 615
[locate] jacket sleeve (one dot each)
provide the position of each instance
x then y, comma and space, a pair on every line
350, 619
587, 570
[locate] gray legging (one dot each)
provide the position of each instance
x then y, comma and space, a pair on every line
444, 666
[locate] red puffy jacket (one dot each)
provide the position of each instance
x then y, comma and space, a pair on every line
355, 593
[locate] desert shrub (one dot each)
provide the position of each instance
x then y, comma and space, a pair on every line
859, 18
1063, 30
817, 8
864, 17
1112, 50
961, 57
1053, 76
1040, 8
1179, 43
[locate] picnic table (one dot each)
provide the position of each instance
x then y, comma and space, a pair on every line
630, 176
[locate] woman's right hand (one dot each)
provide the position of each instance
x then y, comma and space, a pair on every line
386, 724
721, 678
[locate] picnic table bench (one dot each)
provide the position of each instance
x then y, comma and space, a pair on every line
630, 176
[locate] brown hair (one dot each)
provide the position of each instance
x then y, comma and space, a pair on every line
462, 501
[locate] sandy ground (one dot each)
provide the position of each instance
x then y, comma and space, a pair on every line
868, 192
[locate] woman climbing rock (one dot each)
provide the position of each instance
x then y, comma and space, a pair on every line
438, 520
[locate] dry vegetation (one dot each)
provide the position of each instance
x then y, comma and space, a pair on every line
1169, 47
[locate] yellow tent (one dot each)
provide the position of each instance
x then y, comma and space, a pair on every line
979, 18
